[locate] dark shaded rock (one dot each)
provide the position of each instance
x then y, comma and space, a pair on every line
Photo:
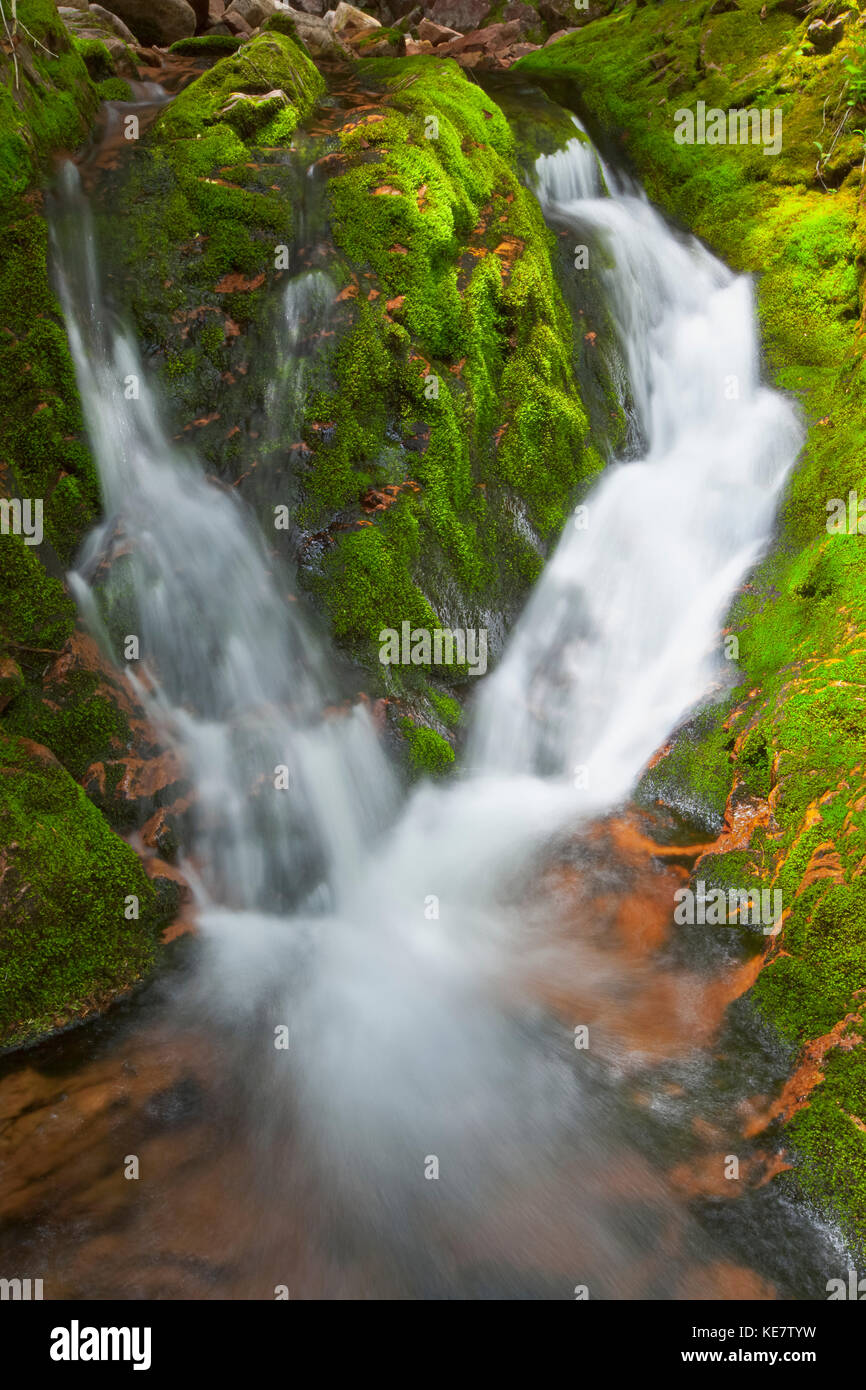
463, 15
825, 36
157, 22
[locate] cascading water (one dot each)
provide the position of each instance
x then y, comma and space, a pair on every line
403, 976
622, 633
228, 668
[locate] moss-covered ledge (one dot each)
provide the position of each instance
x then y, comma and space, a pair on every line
789, 743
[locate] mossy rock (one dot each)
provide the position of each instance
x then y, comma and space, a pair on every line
79, 918
207, 45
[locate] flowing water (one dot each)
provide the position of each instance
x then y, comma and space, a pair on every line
431, 1129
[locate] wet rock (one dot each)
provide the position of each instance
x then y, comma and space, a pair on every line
215, 11
179, 1104
157, 22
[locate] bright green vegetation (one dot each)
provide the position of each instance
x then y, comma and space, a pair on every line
50, 108
65, 939
795, 724
206, 45
236, 92
429, 753
65, 945
461, 345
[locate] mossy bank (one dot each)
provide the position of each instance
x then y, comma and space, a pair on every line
67, 939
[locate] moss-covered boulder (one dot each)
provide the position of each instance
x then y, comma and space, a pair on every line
264, 89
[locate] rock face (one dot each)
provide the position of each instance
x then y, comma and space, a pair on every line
157, 23
463, 15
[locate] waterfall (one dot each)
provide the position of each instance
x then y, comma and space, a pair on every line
621, 636
414, 1034
227, 668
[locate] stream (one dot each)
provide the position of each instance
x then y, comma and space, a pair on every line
433, 1128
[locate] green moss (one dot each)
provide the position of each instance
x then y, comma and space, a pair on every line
270, 62
832, 1146
37, 613
114, 89
446, 707
366, 588
429, 753
65, 939
96, 59
695, 776
80, 726
462, 352
50, 111
206, 44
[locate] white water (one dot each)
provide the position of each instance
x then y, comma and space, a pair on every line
412, 1033
226, 667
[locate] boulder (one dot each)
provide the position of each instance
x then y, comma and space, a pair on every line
315, 33
415, 46
236, 24
463, 15
252, 12
526, 15
431, 33
87, 24
349, 21
117, 25
156, 23
215, 11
